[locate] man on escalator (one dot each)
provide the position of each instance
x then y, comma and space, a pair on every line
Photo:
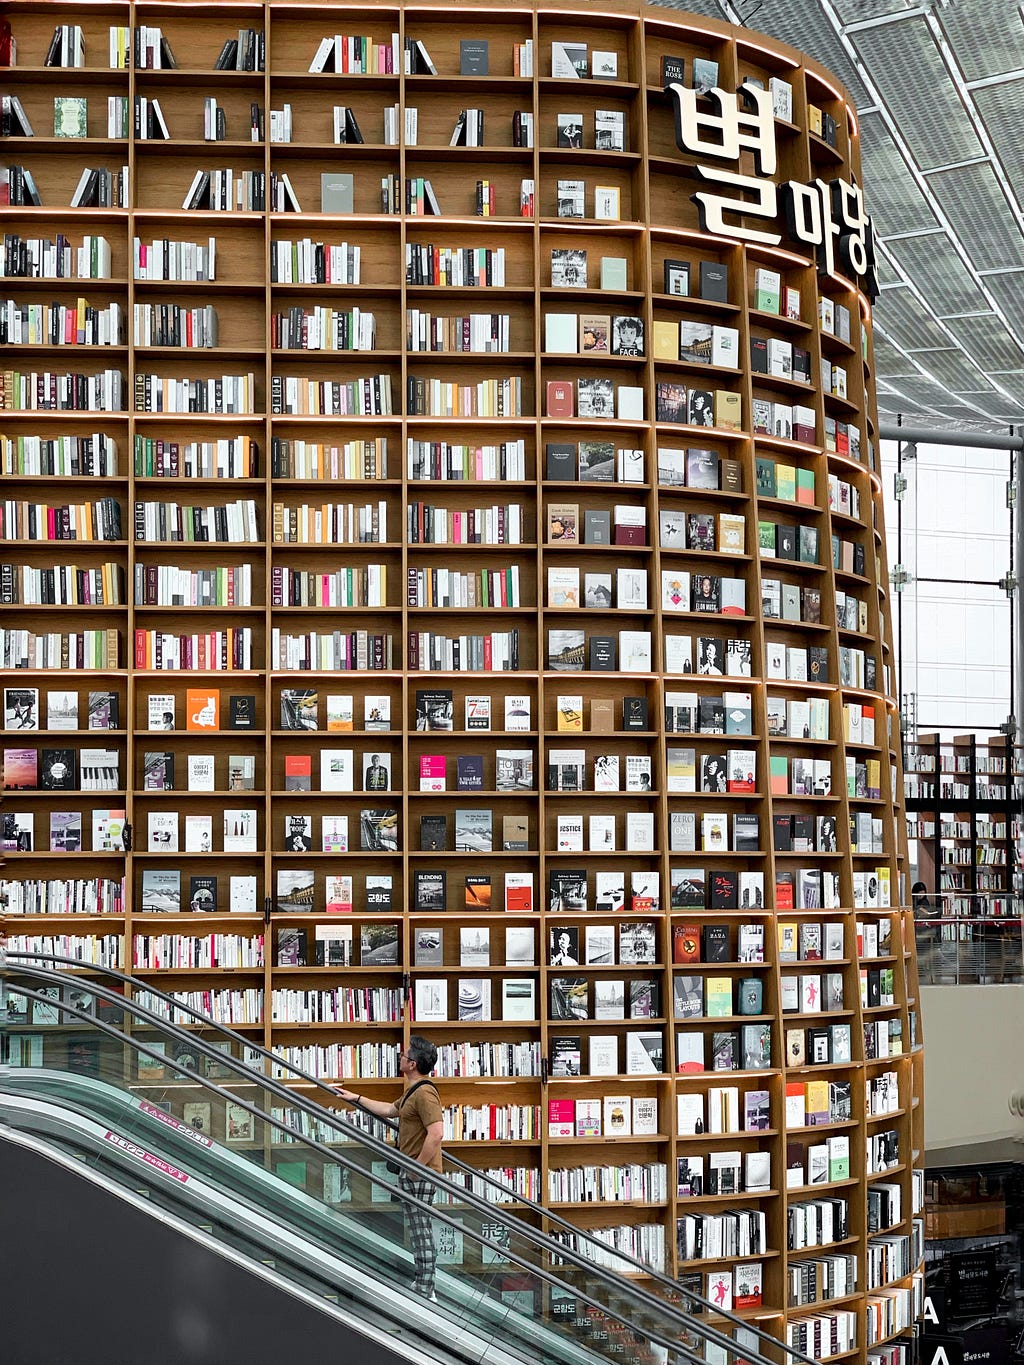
420, 1130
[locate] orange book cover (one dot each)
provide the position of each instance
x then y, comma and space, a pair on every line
202, 708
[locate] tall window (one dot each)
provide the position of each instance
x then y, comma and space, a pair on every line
953, 664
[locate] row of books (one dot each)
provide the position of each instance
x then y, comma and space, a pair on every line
233, 522
66, 585
330, 524
61, 391
323, 329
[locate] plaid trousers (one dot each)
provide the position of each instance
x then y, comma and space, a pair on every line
421, 1233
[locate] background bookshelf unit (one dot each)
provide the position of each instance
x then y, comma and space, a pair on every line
964, 800
307, 511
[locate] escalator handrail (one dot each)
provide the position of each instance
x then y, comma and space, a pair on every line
495, 1212
679, 1349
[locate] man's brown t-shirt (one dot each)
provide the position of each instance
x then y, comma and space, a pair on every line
417, 1110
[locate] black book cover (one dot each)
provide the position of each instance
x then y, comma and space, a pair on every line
434, 709
706, 593
724, 887
714, 281
429, 891
759, 355
673, 71
803, 832
58, 770
433, 833
202, 894
601, 650
782, 833
725, 1050
746, 833
560, 461
242, 713
785, 541
565, 1056
817, 664
818, 1046
567, 889
634, 713
715, 942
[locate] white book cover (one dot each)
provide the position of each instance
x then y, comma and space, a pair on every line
601, 833
163, 831
431, 1000
198, 833
618, 1116
336, 770
517, 713
645, 1115
242, 895
638, 773
690, 1112
635, 651
339, 712
644, 1053
570, 833
240, 831
640, 831
201, 773
520, 945
334, 834
518, 998
606, 773
599, 945
604, 1054
475, 946
161, 711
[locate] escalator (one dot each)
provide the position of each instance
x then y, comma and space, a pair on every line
219, 1142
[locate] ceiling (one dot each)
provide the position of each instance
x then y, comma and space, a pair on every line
939, 90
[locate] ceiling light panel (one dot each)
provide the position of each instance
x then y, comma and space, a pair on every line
894, 199
887, 273
986, 36
999, 107
951, 368
856, 11
987, 339
910, 75
979, 214
890, 361
902, 314
940, 274
1013, 384
1008, 291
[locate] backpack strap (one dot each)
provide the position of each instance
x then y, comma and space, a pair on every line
412, 1090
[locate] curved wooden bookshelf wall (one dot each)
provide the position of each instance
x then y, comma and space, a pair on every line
765, 513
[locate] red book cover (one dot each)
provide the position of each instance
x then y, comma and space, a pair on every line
560, 398
298, 772
630, 535
685, 943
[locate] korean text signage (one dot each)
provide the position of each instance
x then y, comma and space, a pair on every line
828, 216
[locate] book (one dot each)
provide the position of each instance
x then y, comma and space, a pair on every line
434, 709
202, 708
21, 709
300, 708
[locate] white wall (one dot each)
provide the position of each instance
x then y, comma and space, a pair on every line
972, 1063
